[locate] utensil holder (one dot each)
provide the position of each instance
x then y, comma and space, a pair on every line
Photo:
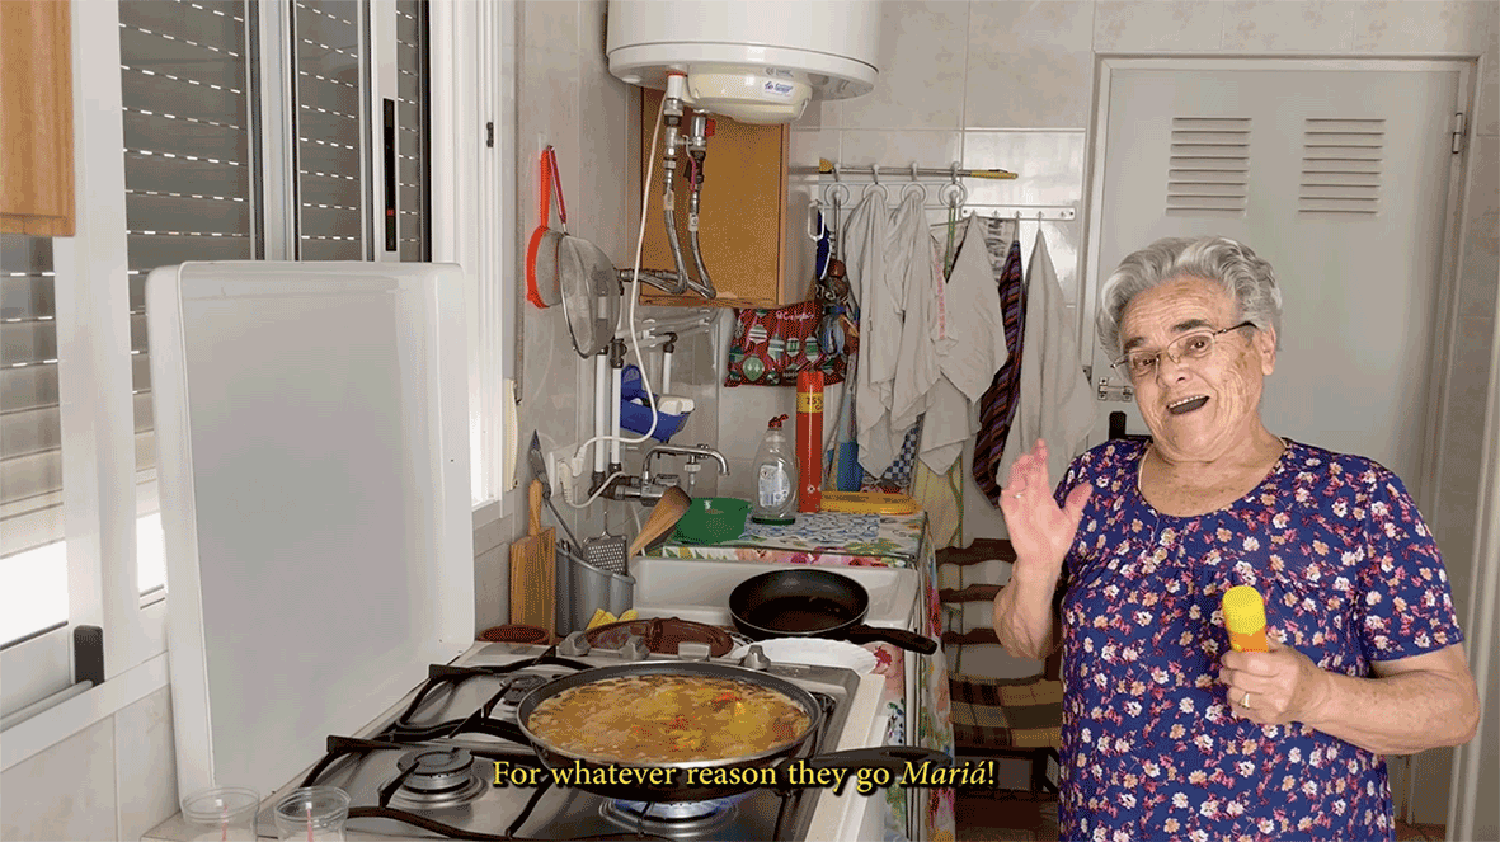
589, 589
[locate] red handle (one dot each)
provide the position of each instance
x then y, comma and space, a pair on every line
562, 209
545, 184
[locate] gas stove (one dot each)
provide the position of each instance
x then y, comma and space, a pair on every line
428, 769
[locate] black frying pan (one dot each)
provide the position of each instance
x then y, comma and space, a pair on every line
811, 602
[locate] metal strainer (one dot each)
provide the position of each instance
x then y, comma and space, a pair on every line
590, 293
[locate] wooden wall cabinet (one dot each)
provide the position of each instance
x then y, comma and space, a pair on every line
754, 219
36, 118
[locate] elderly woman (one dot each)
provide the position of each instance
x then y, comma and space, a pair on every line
1167, 734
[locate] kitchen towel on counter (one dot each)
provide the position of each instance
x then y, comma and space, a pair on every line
770, 347
998, 406
1054, 402
826, 529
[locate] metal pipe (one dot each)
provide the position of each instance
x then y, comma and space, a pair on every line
666, 361
601, 412
697, 143
617, 367
952, 172
672, 116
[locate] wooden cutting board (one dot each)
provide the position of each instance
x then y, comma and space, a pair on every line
533, 569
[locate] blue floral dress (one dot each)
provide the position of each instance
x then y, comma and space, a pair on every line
1150, 746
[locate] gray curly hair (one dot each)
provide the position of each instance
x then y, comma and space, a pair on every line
1248, 279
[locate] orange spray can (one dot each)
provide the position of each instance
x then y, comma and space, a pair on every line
809, 441
1245, 617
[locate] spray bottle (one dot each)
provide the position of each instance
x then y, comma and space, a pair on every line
775, 478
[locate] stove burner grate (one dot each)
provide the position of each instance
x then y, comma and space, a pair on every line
435, 779
677, 819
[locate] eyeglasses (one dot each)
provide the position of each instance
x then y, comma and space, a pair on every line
1141, 363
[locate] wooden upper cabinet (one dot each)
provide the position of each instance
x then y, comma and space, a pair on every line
36, 118
753, 221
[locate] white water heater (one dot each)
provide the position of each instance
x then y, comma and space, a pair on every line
756, 61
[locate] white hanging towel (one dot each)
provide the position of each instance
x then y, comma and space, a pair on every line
867, 245
914, 265
1054, 402
970, 344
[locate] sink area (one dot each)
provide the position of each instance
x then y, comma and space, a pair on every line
699, 590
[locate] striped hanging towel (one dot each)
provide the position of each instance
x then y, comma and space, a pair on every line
998, 406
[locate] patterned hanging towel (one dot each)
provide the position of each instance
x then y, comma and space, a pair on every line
998, 406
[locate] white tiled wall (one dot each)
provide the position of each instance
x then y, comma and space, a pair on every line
1008, 83
115, 779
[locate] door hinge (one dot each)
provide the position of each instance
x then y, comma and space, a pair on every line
1460, 131
489, 134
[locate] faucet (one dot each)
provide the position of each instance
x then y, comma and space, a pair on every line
649, 486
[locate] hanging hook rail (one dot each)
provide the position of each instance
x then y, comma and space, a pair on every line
827, 167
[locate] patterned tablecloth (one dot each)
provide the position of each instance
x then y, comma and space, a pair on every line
873, 541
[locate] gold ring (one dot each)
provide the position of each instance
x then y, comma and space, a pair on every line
1245, 702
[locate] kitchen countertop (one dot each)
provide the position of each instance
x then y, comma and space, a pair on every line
821, 538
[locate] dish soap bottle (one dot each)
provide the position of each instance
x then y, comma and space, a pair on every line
775, 478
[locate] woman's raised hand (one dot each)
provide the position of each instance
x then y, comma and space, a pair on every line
1040, 531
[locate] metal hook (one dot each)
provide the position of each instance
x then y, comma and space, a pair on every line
835, 172
954, 193
875, 173
953, 172
913, 170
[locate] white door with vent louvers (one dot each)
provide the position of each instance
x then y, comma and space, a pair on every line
1343, 175
1340, 178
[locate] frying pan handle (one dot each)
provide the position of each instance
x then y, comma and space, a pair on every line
890, 758
910, 641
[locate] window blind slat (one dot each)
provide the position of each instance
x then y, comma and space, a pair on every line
313, 249
329, 158
170, 96
35, 475
331, 223
28, 342
316, 93
26, 296
150, 251
183, 138
28, 387
195, 60
39, 429
162, 174
217, 22
32, 431
183, 213
328, 192
337, 129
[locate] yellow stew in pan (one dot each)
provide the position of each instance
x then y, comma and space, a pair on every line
668, 719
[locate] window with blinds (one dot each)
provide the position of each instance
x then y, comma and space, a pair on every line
30, 430
189, 120
196, 156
